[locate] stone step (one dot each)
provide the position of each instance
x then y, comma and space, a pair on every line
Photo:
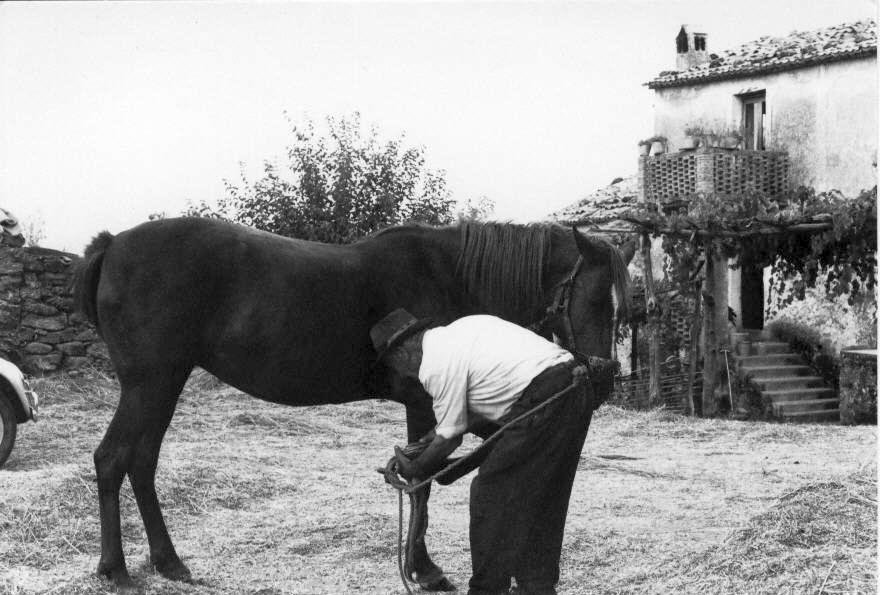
741, 348
737, 338
770, 347
757, 334
809, 395
760, 372
748, 336
823, 415
788, 408
747, 348
774, 359
789, 382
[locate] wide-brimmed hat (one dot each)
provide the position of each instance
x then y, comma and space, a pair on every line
394, 329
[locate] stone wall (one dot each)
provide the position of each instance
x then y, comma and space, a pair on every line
858, 386
39, 330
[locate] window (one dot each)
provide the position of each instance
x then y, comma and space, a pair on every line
753, 115
700, 43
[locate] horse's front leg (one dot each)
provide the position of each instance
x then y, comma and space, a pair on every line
419, 421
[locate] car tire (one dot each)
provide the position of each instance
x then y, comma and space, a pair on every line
8, 428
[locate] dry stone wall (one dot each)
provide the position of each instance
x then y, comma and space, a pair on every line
39, 330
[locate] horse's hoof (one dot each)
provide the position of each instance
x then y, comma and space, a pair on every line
118, 575
174, 570
441, 584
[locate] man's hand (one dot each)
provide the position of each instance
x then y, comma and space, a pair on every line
405, 468
429, 461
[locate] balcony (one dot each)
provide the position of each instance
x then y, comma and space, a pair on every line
672, 178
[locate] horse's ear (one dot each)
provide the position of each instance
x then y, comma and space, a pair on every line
628, 251
588, 247
580, 240
585, 247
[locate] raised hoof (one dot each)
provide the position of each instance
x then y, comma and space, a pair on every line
174, 570
441, 584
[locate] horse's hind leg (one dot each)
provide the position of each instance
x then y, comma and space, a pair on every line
142, 474
111, 462
131, 445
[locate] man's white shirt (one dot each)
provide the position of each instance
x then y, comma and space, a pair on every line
478, 366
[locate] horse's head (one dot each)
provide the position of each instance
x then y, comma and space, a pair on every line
593, 298
535, 275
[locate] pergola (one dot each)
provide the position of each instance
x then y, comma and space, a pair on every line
710, 311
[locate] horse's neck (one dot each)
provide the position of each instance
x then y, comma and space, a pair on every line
413, 266
558, 259
418, 267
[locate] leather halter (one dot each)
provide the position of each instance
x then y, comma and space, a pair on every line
561, 307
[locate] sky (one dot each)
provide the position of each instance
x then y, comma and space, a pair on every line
112, 111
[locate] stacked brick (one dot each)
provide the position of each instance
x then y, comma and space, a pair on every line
39, 330
678, 176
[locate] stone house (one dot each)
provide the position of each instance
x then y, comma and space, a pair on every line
808, 101
811, 95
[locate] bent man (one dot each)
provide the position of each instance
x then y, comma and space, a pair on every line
482, 369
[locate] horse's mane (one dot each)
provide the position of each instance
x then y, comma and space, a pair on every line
502, 264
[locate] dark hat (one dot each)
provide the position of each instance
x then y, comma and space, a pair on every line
395, 328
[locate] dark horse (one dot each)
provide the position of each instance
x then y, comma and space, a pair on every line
288, 321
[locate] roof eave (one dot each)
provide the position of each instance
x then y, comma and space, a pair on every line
762, 69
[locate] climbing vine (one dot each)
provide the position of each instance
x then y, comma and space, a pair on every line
804, 236
842, 257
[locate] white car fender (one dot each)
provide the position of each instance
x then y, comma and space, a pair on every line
27, 398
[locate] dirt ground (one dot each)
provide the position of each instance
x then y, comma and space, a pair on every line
269, 500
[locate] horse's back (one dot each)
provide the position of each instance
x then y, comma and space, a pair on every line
271, 315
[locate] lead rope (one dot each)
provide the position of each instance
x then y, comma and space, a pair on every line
580, 374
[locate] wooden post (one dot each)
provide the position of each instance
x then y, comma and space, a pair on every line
722, 324
715, 333
694, 355
652, 310
634, 351
710, 343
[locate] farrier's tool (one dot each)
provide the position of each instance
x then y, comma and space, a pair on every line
456, 468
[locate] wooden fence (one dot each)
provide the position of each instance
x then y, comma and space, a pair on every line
632, 391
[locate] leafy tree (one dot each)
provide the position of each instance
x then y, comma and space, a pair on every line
480, 209
337, 186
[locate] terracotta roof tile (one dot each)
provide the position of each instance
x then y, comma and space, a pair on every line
604, 204
769, 54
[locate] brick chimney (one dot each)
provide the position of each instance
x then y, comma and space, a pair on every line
690, 48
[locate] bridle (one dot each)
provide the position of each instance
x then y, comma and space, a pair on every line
560, 307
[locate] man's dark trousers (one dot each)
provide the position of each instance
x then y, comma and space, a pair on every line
519, 499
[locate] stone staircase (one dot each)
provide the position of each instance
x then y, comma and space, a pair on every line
784, 379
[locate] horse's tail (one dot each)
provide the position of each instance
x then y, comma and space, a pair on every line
88, 274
